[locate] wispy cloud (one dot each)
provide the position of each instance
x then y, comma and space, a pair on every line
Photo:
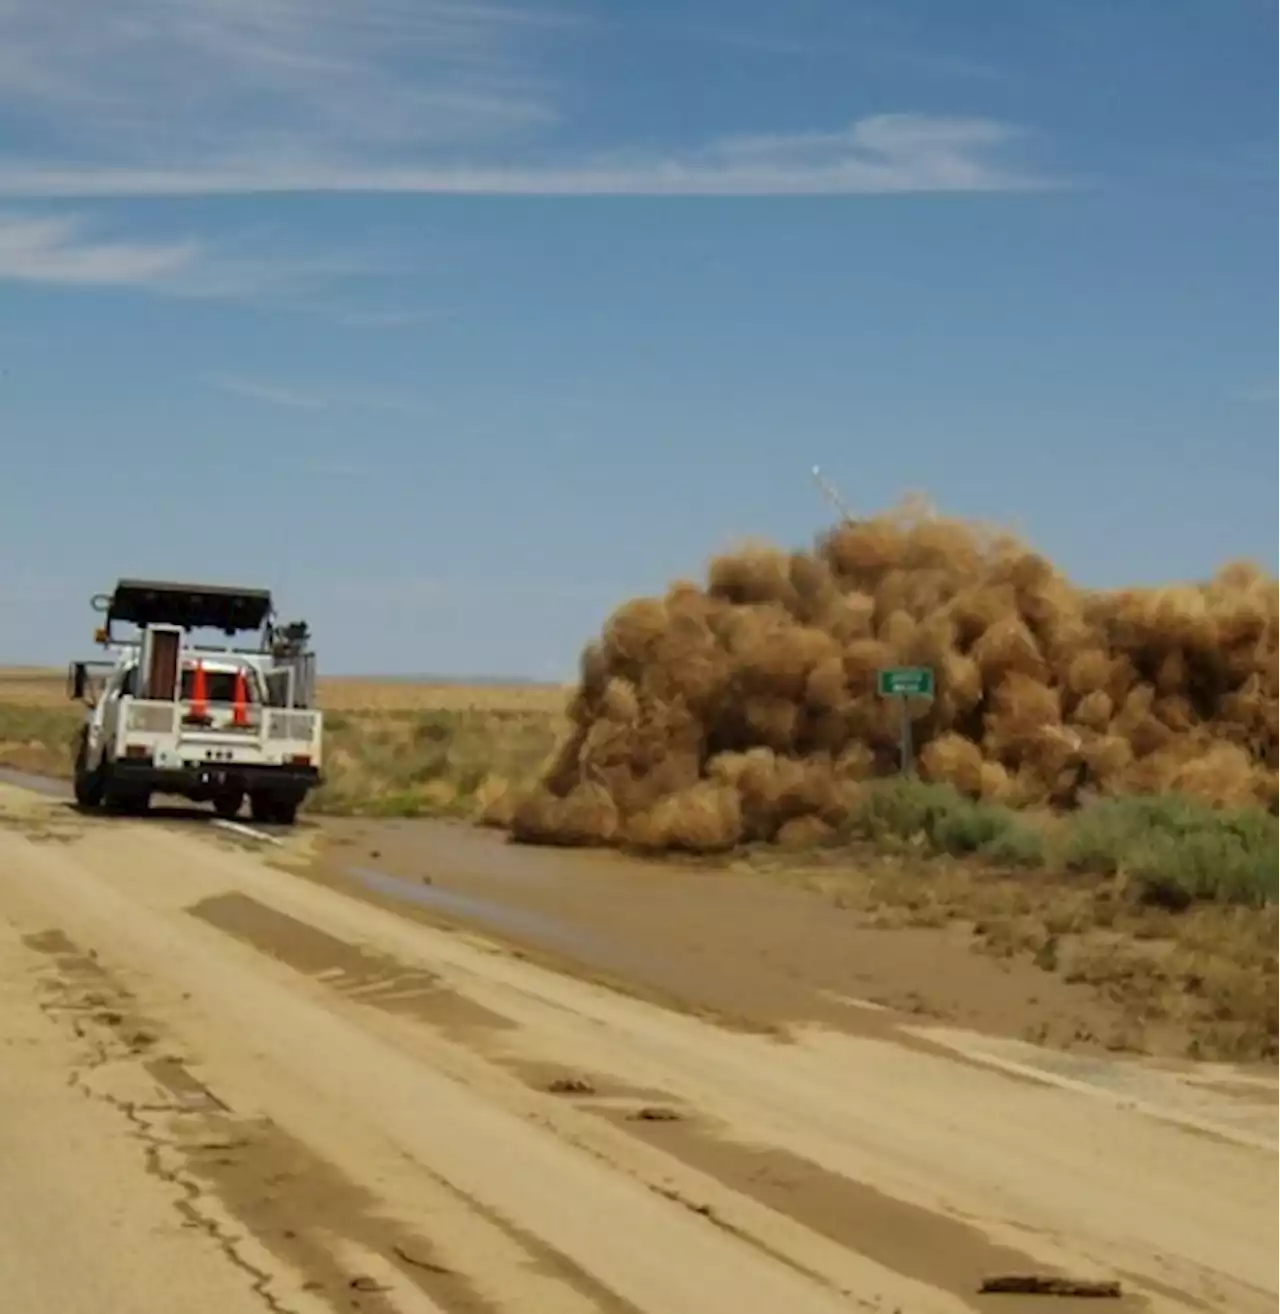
81, 250
880, 154
291, 398
148, 98
195, 75
267, 270
60, 249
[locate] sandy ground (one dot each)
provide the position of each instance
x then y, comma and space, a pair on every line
227, 1079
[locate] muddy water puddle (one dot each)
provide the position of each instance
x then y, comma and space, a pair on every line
500, 916
759, 951
435, 847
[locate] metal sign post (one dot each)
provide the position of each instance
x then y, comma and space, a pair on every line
905, 683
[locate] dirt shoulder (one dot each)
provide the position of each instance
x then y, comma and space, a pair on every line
1070, 966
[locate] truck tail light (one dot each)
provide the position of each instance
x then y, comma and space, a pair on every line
299, 759
137, 751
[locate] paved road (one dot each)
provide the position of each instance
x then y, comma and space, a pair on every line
226, 1087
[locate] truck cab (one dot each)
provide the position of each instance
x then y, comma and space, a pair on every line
210, 723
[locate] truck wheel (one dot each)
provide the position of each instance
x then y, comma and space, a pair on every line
286, 811
228, 805
89, 784
273, 810
126, 802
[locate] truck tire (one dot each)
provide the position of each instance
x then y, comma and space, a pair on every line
286, 810
227, 806
273, 809
89, 785
125, 802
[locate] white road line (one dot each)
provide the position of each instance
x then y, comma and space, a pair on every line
239, 828
980, 1049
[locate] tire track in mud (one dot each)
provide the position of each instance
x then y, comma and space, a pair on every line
380, 981
945, 1253
360, 974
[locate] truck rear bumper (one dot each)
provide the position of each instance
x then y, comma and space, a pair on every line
209, 780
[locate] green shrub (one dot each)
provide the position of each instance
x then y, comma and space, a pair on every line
946, 821
903, 809
1176, 849
968, 827
1017, 845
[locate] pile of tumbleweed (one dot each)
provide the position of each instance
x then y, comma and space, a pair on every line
727, 712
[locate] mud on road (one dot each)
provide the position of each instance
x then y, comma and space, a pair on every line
225, 1077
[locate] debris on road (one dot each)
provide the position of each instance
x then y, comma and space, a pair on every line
654, 1113
1032, 1284
570, 1086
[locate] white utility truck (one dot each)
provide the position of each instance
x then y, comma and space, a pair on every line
209, 723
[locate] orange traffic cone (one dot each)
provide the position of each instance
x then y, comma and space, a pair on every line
240, 700
199, 694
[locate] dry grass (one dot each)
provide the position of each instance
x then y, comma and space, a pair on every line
403, 748
443, 761
32, 686
351, 694
37, 737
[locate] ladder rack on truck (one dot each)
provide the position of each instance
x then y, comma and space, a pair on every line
211, 723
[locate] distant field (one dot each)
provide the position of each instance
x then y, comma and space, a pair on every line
365, 694
30, 686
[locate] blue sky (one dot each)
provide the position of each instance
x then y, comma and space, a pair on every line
457, 324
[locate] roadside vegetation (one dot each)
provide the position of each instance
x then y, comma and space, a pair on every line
36, 737
1169, 851
429, 763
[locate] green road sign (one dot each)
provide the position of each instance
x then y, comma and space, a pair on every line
905, 682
